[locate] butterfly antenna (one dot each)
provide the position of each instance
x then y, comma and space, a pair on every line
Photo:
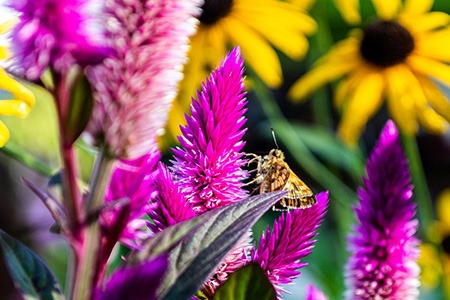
274, 138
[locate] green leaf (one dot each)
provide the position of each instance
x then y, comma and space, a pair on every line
80, 110
195, 258
249, 282
30, 275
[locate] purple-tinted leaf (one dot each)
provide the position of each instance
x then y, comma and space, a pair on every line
193, 260
30, 275
137, 282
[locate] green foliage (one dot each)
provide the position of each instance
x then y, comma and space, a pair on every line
248, 282
193, 260
31, 276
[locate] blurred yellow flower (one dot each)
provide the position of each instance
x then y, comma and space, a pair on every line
255, 26
435, 266
397, 56
23, 99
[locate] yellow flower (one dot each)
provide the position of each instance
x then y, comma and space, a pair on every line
23, 99
396, 57
435, 266
254, 25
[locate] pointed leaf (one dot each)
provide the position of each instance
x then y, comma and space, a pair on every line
193, 260
166, 240
30, 275
81, 104
248, 282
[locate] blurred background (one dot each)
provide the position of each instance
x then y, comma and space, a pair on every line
306, 132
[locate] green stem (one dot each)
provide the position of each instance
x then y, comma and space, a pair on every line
321, 42
421, 192
87, 272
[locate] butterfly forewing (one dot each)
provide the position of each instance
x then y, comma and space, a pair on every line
278, 176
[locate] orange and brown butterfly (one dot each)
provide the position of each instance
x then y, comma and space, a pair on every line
273, 174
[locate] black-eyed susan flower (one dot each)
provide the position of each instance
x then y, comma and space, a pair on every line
398, 56
22, 98
253, 25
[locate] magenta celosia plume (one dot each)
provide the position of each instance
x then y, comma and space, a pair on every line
207, 169
57, 34
208, 166
280, 253
132, 181
135, 89
171, 206
384, 251
315, 294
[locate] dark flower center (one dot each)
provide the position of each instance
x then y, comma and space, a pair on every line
446, 244
386, 43
213, 10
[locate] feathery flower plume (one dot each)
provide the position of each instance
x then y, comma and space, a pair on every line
279, 253
135, 89
132, 180
208, 167
384, 250
315, 294
171, 205
56, 34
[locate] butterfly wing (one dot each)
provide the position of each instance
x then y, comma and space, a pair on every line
299, 196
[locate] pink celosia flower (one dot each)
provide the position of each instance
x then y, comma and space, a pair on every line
208, 166
56, 34
207, 169
315, 294
279, 253
384, 250
171, 205
135, 89
132, 180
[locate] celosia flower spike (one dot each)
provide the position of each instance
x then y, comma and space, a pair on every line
279, 253
136, 87
315, 294
208, 167
132, 180
56, 34
384, 250
171, 205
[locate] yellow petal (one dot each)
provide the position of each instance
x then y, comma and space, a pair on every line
349, 10
431, 121
417, 7
319, 76
216, 38
292, 43
436, 98
19, 91
365, 102
435, 45
303, 4
261, 57
347, 86
4, 134
430, 67
400, 104
14, 108
387, 10
426, 22
283, 13
443, 207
